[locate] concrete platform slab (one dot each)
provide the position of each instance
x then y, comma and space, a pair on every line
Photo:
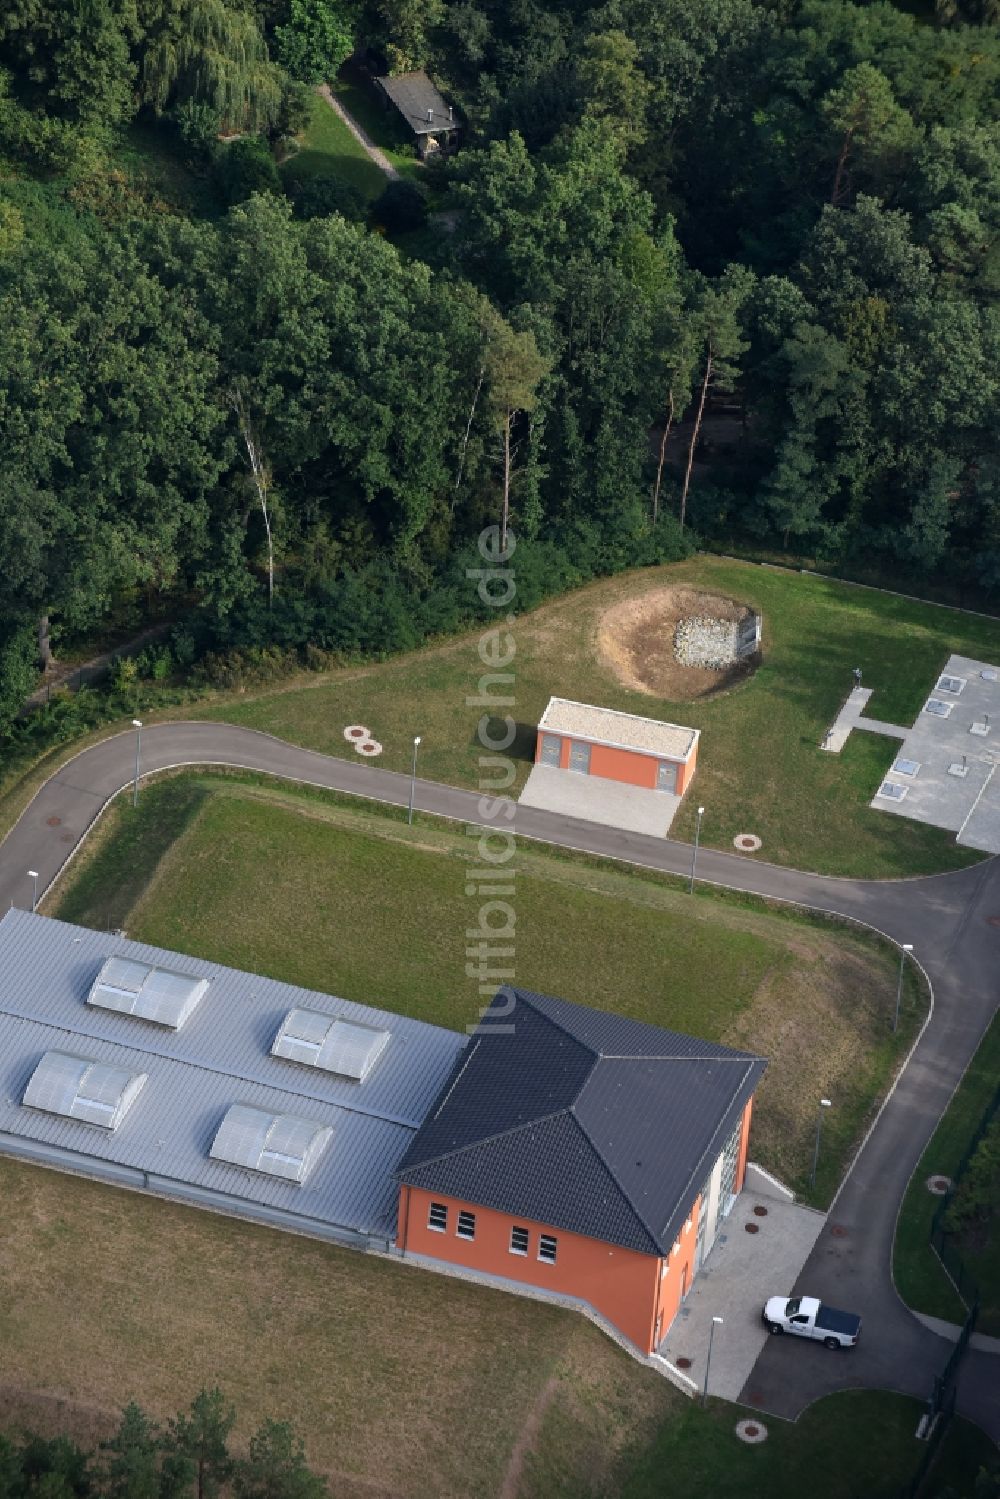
596, 799
941, 745
741, 1272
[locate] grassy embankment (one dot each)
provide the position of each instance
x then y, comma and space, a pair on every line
919, 1276
760, 767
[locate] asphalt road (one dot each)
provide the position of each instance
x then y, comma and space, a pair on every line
946, 917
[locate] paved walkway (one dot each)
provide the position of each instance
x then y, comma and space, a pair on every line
360, 135
851, 717
947, 917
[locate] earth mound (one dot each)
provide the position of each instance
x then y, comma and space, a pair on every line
672, 642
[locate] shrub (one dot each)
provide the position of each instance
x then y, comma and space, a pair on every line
317, 197
198, 126
245, 167
401, 207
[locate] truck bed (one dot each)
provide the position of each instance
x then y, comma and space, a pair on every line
834, 1321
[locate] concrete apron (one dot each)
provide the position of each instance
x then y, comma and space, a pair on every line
634, 809
741, 1272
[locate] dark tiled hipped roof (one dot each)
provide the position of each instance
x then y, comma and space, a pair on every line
419, 102
583, 1120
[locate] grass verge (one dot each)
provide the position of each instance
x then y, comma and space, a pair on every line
844, 1447
309, 887
919, 1275
760, 766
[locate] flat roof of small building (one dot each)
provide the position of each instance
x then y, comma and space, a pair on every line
645, 736
221, 1057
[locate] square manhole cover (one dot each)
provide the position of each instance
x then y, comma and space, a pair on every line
937, 708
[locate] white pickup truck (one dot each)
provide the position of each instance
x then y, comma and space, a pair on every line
806, 1317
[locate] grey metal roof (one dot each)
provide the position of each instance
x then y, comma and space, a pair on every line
221, 1057
419, 102
154, 994
583, 1120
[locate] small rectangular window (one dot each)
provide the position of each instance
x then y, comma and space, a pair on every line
519, 1241
437, 1218
547, 1248
466, 1225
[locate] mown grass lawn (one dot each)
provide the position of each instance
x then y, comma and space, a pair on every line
309, 888
760, 766
851, 1446
328, 149
919, 1276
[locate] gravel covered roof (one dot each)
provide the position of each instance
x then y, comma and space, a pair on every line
648, 736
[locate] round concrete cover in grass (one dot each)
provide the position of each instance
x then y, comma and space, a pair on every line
751, 1432
747, 843
368, 747
938, 1185
355, 732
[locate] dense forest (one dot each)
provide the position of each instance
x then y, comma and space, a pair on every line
721, 267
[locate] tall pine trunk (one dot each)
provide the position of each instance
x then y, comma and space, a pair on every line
44, 643
838, 176
663, 449
695, 435
506, 483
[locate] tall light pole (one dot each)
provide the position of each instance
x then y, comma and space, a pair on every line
906, 947
694, 851
716, 1322
137, 725
33, 876
413, 778
824, 1103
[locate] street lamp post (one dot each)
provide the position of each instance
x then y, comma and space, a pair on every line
694, 851
33, 876
137, 725
906, 947
413, 778
716, 1322
824, 1103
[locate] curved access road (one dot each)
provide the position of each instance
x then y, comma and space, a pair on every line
948, 918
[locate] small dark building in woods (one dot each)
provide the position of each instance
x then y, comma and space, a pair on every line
426, 114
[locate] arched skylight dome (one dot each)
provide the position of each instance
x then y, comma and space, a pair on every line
80, 1088
340, 1046
279, 1144
157, 994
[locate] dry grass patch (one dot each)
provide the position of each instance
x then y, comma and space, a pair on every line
402, 1382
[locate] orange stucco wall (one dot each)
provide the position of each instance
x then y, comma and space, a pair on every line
686, 773
741, 1164
623, 765
621, 1284
677, 1271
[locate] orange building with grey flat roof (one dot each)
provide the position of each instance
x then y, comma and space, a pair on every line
618, 746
